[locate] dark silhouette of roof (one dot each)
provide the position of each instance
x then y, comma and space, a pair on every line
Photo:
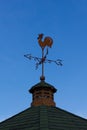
44, 118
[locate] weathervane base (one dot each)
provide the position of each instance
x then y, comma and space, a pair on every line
42, 78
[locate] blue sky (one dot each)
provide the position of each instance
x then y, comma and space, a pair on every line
20, 23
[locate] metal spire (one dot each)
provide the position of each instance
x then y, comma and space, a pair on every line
47, 42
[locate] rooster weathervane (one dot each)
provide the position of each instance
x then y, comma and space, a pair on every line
44, 44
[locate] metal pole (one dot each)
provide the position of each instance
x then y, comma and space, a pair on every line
42, 62
42, 76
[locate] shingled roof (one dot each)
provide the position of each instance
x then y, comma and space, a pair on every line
44, 118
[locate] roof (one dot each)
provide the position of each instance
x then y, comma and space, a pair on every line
42, 84
44, 118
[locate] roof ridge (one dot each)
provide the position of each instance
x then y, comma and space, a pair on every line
43, 117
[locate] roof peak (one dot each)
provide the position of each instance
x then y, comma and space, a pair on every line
42, 84
44, 117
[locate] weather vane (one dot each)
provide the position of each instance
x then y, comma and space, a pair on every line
44, 44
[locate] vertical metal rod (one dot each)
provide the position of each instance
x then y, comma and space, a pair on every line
42, 62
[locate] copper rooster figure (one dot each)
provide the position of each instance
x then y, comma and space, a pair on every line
46, 42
